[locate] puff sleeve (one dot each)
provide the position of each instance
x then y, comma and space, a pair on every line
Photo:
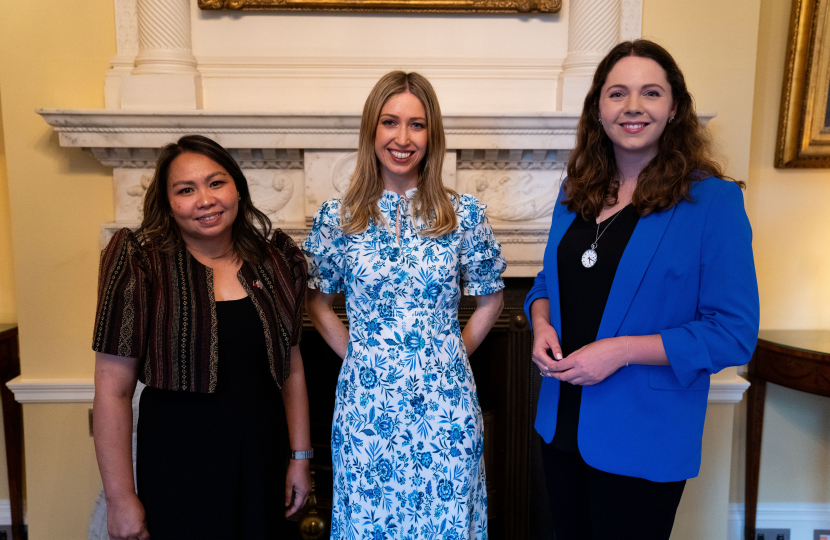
482, 263
324, 249
124, 284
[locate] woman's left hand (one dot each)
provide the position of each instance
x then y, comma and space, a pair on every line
591, 364
297, 485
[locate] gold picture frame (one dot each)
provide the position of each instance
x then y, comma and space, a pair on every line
804, 123
420, 6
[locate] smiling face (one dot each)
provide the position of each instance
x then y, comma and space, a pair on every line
401, 141
203, 199
635, 105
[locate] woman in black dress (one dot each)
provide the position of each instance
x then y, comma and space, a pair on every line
201, 306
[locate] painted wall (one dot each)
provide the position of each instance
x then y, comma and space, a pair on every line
8, 310
55, 54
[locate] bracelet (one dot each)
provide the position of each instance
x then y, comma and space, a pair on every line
303, 454
626, 351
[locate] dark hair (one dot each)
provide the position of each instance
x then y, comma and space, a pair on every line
159, 230
684, 150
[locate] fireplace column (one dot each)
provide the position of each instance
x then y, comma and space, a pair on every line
165, 76
593, 29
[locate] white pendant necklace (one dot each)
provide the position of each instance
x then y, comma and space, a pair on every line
589, 258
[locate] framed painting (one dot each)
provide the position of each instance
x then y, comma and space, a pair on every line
804, 123
422, 6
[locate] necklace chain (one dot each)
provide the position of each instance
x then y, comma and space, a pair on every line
599, 234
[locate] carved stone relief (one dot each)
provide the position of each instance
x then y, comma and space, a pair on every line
514, 195
273, 190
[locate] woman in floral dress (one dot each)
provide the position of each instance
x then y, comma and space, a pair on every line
407, 434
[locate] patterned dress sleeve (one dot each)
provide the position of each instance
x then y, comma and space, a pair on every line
482, 263
325, 250
294, 285
124, 284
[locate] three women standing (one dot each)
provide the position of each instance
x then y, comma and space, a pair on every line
407, 441
649, 282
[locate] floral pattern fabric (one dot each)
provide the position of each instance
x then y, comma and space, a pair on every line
407, 432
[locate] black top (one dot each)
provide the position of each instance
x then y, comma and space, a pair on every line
212, 465
583, 293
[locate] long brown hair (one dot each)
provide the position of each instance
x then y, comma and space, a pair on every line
159, 230
684, 150
432, 200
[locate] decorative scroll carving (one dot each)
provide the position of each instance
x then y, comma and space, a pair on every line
271, 194
513, 196
494, 6
341, 175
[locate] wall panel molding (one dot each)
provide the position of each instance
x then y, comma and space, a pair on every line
30, 390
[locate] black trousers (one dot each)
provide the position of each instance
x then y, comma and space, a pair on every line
589, 504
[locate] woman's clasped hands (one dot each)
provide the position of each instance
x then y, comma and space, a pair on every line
591, 364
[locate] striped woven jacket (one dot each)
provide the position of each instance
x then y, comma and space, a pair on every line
160, 308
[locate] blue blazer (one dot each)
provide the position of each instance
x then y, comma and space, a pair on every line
687, 274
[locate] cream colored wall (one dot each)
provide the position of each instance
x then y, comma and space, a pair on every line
7, 295
788, 213
55, 54
8, 311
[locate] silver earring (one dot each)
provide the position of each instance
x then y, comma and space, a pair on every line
671, 119
600, 121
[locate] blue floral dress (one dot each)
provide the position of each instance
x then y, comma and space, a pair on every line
407, 435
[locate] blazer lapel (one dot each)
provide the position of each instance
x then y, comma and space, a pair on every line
633, 265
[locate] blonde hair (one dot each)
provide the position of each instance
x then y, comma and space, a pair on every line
432, 200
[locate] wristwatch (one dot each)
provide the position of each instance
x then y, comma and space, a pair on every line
304, 454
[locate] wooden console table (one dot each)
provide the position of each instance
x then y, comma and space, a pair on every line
796, 359
12, 425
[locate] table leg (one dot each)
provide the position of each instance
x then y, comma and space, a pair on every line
756, 396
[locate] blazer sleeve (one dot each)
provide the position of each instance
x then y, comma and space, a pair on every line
726, 328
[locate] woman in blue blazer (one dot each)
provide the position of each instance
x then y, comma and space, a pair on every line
649, 281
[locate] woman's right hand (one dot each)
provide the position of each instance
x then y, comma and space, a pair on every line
125, 519
546, 349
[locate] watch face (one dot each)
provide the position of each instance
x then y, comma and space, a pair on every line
589, 258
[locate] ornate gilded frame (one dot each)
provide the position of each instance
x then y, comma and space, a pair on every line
435, 6
804, 123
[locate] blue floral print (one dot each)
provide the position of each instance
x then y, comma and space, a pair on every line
407, 434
